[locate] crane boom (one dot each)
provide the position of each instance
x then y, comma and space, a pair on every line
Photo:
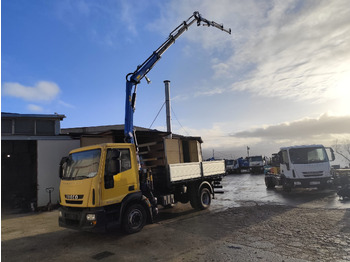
133, 79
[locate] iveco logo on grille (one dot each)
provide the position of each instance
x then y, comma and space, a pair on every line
72, 197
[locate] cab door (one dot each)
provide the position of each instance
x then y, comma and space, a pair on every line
285, 167
120, 176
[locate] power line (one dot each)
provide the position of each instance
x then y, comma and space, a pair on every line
172, 110
157, 115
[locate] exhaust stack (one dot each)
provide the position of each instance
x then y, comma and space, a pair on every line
167, 105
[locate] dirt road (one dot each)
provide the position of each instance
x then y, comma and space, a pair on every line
247, 223
247, 233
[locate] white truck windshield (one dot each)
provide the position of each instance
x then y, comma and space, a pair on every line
82, 165
308, 155
255, 158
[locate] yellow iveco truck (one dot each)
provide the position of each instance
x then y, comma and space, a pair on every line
113, 184
102, 186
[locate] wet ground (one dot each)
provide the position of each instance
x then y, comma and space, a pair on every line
244, 188
247, 223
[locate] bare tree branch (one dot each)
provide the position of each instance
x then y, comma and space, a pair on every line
343, 149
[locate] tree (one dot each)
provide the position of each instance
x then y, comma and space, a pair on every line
343, 149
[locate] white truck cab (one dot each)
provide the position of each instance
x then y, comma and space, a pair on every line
302, 166
256, 164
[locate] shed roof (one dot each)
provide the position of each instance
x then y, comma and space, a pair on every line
118, 131
33, 116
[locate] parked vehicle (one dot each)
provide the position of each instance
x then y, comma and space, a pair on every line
241, 164
229, 165
101, 186
256, 164
342, 182
301, 166
112, 184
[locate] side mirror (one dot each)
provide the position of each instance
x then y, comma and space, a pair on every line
332, 153
287, 165
114, 163
114, 166
63, 166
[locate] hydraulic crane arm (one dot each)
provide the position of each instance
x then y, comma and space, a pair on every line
133, 79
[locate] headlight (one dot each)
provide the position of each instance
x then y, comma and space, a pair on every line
60, 214
90, 217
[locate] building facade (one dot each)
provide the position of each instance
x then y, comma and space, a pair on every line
31, 149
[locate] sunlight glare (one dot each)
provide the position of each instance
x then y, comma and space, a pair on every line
342, 94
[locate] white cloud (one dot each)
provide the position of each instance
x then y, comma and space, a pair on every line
284, 49
307, 128
66, 104
266, 140
41, 91
35, 108
299, 53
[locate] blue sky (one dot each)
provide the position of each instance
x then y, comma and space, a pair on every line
282, 78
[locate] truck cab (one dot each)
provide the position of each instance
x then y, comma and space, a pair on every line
256, 164
302, 166
98, 183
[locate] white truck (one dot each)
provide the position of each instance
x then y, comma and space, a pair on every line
301, 166
256, 164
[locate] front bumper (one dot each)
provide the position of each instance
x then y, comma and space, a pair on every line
75, 218
311, 182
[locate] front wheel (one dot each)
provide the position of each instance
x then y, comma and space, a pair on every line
269, 183
134, 219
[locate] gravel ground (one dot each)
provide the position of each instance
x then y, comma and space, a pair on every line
303, 233
251, 232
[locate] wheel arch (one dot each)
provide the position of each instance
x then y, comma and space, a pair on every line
206, 184
136, 198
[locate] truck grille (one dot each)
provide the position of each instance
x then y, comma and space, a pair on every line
313, 174
74, 199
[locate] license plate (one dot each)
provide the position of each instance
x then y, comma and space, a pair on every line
72, 216
314, 183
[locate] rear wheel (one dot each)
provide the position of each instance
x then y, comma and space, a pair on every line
134, 219
204, 198
269, 183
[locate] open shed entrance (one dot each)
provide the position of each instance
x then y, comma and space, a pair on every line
18, 174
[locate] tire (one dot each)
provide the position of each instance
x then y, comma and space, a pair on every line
269, 183
194, 200
134, 219
204, 198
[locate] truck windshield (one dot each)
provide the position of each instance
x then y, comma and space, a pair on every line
308, 155
229, 162
255, 158
82, 165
